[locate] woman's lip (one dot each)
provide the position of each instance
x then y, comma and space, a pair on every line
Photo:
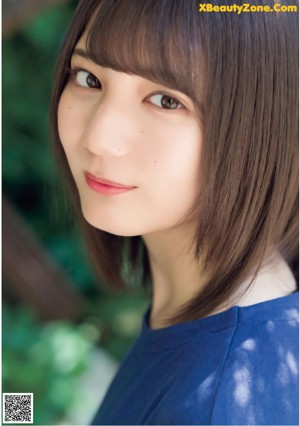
105, 186
107, 182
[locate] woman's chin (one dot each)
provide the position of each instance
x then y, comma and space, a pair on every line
120, 228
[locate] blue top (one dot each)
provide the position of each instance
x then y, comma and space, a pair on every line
239, 367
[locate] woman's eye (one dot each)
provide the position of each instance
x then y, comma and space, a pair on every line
165, 101
86, 79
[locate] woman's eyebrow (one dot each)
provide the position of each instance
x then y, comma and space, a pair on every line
82, 52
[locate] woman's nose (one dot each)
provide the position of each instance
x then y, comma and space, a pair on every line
108, 129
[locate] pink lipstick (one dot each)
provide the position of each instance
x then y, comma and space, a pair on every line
105, 186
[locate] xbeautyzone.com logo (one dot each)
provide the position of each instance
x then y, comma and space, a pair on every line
245, 7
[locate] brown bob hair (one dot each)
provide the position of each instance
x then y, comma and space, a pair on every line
241, 71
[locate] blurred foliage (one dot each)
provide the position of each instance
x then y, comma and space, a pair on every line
118, 320
30, 177
47, 359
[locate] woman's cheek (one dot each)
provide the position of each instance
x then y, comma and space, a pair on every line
63, 118
68, 121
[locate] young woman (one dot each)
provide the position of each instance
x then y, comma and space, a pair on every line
177, 133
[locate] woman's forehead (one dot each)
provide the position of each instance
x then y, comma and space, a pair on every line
82, 43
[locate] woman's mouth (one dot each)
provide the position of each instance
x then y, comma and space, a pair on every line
105, 186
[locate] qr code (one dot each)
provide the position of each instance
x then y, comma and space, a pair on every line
18, 408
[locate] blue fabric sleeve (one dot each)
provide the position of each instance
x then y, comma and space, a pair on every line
259, 382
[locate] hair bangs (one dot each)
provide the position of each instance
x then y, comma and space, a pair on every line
149, 39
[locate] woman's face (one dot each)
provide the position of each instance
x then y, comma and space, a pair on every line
133, 147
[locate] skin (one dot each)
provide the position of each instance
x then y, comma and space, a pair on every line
120, 131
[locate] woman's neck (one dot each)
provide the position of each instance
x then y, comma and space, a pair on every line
177, 277
274, 280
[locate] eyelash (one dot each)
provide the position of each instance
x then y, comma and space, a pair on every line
169, 99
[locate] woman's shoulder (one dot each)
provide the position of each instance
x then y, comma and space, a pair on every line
242, 370
273, 323
258, 383
236, 367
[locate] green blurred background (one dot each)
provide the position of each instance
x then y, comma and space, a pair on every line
63, 333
